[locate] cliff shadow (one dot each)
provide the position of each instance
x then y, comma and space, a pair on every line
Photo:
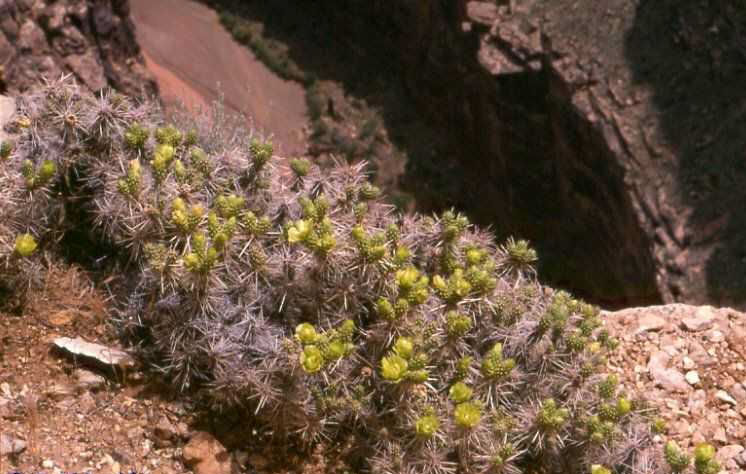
484, 144
693, 55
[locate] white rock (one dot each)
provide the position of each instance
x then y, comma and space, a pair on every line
724, 396
692, 377
102, 354
688, 363
47, 464
7, 109
5, 388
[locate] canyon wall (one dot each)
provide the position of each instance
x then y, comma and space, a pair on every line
609, 133
93, 40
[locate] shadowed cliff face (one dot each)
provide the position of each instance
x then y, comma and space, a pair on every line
691, 58
608, 133
511, 146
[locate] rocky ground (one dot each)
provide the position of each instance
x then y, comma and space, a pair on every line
61, 414
690, 363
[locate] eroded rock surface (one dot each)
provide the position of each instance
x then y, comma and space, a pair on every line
94, 41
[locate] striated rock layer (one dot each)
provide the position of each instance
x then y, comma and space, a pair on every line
609, 133
94, 41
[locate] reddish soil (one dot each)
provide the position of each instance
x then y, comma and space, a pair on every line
119, 423
194, 60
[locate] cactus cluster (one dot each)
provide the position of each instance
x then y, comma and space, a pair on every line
302, 296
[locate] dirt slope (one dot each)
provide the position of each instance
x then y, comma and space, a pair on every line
194, 59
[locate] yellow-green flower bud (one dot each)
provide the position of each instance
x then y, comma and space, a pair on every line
335, 350
460, 392
404, 347
393, 368
407, 278
426, 426
306, 333
704, 459
704, 452
299, 231
25, 245
599, 469
311, 359
467, 415
623, 406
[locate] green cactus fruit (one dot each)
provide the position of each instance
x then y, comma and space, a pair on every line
299, 231
368, 192
168, 135
494, 366
521, 253
457, 324
417, 376
608, 386
261, 152
385, 309
550, 417
47, 170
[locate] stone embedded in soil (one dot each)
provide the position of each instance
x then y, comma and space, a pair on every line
649, 322
58, 391
736, 338
206, 455
165, 433
87, 380
10, 445
667, 378
726, 453
702, 319
724, 396
692, 377
739, 392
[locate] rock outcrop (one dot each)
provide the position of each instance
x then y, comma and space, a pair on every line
609, 133
94, 41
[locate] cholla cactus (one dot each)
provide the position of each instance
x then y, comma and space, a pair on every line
301, 295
